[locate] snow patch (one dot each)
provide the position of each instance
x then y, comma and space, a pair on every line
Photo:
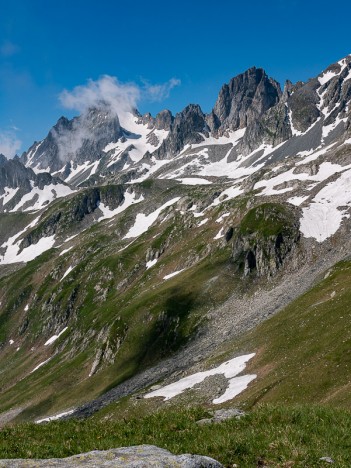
151, 263
220, 234
67, 272
173, 274
229, 369
202, 222
40, 365
327, 76
8, 194
221, 218
55, 417
43, 196
66, 250
143, 221
297, 201
12, 254
55, 337
129, 199
194, 181
323, 217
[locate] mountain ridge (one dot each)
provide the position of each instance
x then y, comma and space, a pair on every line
167, 236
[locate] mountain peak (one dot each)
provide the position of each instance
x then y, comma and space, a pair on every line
245, 98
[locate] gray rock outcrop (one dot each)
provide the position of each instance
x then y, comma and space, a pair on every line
140, 456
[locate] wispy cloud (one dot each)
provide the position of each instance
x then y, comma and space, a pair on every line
159, 92
9, 143
8, 49
105, 92
110, 93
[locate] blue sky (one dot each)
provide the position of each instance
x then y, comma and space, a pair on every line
49, 46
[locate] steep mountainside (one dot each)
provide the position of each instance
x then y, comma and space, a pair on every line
135, 249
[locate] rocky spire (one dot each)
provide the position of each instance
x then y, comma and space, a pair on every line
244, 99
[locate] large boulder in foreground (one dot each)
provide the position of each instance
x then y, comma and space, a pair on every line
139, 456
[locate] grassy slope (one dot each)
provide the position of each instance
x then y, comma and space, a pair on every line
152, 317
304, 352
274, 436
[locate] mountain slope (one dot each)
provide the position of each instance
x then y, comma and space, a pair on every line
132, 247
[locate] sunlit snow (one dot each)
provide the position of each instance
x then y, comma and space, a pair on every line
173, 274
229, 369
129, 199
55, 417
143, 221
323, 217
55, 337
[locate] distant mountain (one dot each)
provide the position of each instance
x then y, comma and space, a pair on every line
134, 247
21, 189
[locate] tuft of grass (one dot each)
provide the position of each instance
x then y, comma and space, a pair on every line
275, 436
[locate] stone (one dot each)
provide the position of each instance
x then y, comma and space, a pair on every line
222, 415
327, 459
140, 456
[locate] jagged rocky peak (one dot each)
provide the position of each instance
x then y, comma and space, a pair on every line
245, 98
79, 139
14, 174
188, 127
162, 121
21, 188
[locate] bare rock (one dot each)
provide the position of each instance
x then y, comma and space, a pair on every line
140, 456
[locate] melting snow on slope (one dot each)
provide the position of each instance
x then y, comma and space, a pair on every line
227, 194
139, 138
67, 272
194, 181
143, 221
129, 199
12, 254
55, 337
297, 201
43, 196
326, 170
202, 222
55, 417
229, 369
66, 250
220, 234
80, 169
221, 218
326, 77
323, 217
173, 274
40, 365
151, 263
9, 194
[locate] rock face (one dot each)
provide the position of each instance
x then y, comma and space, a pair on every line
80, 139
138, 456
266, 236
185, 129
244, 99
16, 181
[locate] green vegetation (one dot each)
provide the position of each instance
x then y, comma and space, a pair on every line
268, 219
304, 352
275, 436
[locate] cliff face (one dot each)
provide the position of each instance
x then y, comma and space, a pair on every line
267, 236
244, 99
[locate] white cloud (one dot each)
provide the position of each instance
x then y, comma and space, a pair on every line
107, 92
159, 92
110, 93
9, 143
